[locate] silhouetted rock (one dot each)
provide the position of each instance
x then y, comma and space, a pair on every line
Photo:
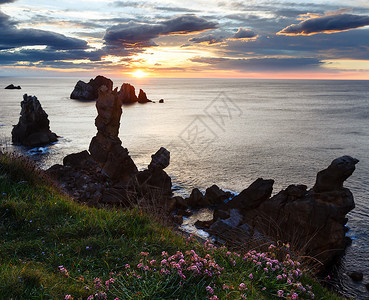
197, 199
33, 127
155, 181
161, 101
105, 147
12, 87
142, 98
214, 195
332, 178
160, 160
127, 94
77, 159
356, 276
89, 91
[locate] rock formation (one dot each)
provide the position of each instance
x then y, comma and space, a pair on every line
127, 94
33, 127
142, 98
313, 220
105, 147
89, 91
155, 178
12, 87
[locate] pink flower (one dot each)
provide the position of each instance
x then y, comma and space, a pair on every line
214, 297
144, 253
68, 297
164, 254
209, 290
242, 286
127, 266
91, 297
225, 287
280, 293
251, 276
294, 296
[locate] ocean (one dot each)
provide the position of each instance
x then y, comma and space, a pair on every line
227, 132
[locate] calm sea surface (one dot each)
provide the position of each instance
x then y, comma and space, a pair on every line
226, 132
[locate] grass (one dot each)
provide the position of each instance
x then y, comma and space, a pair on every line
54, 248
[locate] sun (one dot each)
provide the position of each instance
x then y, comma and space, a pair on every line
139, 73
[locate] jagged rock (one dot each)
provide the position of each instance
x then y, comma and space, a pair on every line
160, 160
332, 178
197, 199
356, 276
259, 191
77, 160
105, 147
142, 98
33, 127
12, 87
214, 195
89, 91
161, 101
204, 224
181, 203
155, 180
127, 94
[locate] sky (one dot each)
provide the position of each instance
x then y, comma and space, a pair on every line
193, 39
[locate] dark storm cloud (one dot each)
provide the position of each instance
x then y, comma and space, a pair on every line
352, 44
260, 64
135, 34
244, 34
207, 39
326, 24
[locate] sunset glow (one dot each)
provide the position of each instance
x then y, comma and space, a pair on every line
249, 39
139, 74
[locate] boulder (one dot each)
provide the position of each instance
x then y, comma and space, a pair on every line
142, 98
155, 181
105, 147
356, 276
197, 199
89, 91
33, 127
77, 160
214, 195
127, 94
160, 160
12, 87
161, 101
332, 178
259, 191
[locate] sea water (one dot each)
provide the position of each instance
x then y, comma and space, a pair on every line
227, 132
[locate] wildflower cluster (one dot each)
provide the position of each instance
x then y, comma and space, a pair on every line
204, 273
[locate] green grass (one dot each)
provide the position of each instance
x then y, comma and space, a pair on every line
41, 229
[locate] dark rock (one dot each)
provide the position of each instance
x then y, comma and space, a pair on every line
332, 178
170, 205
12, 87
367, 286
184, 212
33, 127
259, 191
127, 94
157, 180
77, 159
215, 195
161, 101
355, 276
197, 199
204, 224
142, 98
220, 214
105, 147
177, 219
160, 160
89, 91
181, 203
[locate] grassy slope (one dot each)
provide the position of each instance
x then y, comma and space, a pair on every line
41, 229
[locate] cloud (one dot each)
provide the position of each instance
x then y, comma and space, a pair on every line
326, 24
6, 1
260, 64
244, 34
207, 39
139, 35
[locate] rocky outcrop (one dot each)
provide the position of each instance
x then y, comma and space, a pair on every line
313, 220
33, 127
142, 98
127, 94
155, 179
89, 91
12, 87
105, 147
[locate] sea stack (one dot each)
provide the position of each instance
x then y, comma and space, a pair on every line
89, 91
33, 127
105, 147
